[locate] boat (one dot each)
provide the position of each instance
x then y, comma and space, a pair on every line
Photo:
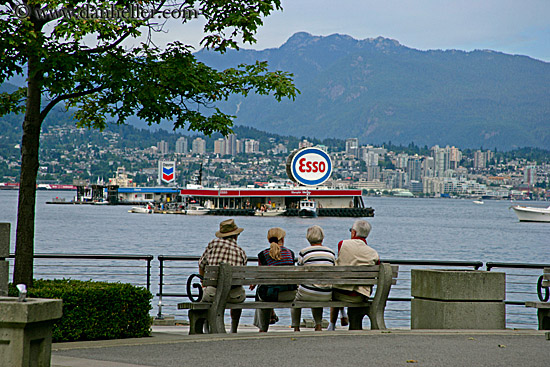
141, 209
197, 210
531, 213
479, 202
270, 212
308, 208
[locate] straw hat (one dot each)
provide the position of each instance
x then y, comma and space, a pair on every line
228, 228
276, 232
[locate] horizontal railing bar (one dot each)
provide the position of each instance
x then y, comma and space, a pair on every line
91, 256
491, 265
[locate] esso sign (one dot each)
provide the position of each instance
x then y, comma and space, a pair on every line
310, 166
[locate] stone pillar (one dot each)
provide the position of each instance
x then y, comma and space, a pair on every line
4, 254
457, 299
26, 331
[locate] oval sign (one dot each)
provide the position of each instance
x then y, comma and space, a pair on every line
311, 166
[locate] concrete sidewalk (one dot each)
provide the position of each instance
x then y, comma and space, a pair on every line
171, 346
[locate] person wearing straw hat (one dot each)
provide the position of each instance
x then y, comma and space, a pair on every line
224, 249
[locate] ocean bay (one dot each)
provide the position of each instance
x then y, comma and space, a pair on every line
404, 229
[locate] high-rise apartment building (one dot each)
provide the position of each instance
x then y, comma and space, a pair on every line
181, 145
230, 144
162, 147
219, 146
198, 146
251, 146
352, 147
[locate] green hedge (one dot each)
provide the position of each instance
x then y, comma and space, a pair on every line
96, 310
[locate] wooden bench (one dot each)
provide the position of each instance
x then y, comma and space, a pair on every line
543, 308
224, 276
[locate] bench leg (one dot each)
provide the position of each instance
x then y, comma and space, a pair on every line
544, 318
197, 320
376, 317
356, 315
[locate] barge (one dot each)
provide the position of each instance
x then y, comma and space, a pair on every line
249, 201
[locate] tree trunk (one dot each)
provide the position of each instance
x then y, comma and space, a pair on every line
24, 243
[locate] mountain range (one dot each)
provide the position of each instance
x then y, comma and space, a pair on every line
378, 90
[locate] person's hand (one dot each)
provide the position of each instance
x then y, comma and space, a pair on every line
252, 286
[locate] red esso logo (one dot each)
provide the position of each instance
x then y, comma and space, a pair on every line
306, 165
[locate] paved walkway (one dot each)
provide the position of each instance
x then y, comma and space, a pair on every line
280, 347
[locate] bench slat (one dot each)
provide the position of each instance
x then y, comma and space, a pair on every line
277, 281
255, 305
537, 304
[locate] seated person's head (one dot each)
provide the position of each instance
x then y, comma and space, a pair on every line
362, 228
315, 235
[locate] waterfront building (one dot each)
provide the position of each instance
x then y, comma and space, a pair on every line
530, 175
480, 160
181, 145
373, 173
455, 156
414, 169
401, 160
198, 146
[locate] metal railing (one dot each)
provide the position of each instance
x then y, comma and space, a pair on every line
99, 267
174, 272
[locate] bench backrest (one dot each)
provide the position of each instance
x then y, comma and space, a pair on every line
271, 275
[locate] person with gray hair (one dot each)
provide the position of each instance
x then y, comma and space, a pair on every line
354, 251
314, 255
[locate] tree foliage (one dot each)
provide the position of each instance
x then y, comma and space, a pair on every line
108, 68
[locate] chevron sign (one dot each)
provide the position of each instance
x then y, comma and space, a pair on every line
167, 171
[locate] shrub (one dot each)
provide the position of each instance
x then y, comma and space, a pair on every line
96, 310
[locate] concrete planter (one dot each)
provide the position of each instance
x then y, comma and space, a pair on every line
26, 331
457, 299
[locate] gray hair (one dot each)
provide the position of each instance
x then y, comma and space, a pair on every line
315, 235
362, 228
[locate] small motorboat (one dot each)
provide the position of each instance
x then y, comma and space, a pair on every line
308, 208
531, 213
141, 209
478, 202
270, 212
197, 210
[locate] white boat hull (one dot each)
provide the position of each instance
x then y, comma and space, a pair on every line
137, 209
532, 214
269, 213
196, 212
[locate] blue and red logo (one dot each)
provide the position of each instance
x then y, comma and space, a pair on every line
168, 174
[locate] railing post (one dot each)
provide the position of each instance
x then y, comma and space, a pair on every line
4, 254
161, 276
149, 273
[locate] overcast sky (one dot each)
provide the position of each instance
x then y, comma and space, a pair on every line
510, 26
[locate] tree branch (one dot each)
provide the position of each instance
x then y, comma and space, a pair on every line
62, 97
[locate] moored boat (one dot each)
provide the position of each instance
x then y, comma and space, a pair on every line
141, 210
532, 214
197, 210
308, 208
270, 212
